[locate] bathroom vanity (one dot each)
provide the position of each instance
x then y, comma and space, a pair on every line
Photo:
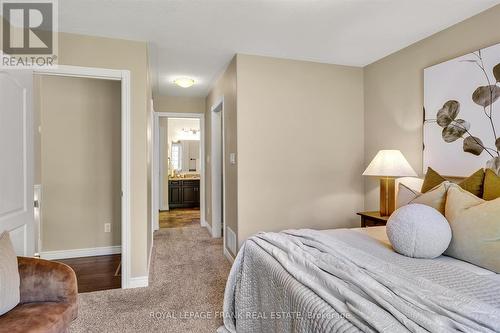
183, 193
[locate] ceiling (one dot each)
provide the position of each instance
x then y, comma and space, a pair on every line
198, 38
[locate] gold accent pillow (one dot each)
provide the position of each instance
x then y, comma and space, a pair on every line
491, 185
475, 225
472, 184
431, 180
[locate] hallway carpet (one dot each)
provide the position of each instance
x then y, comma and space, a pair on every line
185, 293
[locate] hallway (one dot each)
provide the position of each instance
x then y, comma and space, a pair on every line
188, 274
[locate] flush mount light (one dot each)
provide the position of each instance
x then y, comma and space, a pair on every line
184, 82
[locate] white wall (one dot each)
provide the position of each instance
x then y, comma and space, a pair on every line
175, 126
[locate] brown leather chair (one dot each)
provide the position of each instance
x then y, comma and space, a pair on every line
49, 295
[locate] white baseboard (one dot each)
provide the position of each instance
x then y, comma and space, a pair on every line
230, 239
77, 253
138, 282
228, 256
206, 225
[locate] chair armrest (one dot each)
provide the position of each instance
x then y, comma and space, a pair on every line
46, 281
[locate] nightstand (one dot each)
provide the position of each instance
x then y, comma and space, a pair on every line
372, 219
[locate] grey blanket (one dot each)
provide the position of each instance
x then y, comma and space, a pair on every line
342, 289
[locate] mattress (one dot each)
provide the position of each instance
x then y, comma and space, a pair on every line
449, 272
264, 286
380, 235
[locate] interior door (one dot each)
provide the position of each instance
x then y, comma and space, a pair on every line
16, 159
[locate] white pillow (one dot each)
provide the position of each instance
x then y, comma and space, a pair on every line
418, 231
9, 275
405, 195
407, 189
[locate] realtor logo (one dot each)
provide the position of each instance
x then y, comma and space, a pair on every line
29, 36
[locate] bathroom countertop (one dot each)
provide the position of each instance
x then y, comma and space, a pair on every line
185, 178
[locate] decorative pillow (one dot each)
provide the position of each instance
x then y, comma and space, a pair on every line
407, 188
435, 198
475, 225
405, 195
9, 275
491, 185
473, 184
431, 180
418, 231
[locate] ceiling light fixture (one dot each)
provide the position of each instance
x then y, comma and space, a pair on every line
190, 130
184, 82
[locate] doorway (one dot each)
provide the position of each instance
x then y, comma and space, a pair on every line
178, 170
20, 218
78, 174
112, 213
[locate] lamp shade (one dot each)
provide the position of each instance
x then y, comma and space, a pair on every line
389, 163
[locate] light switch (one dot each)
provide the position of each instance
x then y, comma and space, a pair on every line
232, 158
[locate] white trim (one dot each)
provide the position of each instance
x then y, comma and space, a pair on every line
150, 135
206, 225
155, 172
228, 255
217, 226
37, 194
85, 72
162, 135
126, 175
138, 282
78, 253
124, 77
156, 158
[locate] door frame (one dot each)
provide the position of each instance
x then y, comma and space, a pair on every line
156, 188
217, 224
124, 77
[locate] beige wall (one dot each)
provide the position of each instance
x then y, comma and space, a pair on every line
180, 104
300, 145
89, 51
224, 87
394, 89
80, 161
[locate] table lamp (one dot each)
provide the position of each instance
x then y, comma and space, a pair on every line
389, 165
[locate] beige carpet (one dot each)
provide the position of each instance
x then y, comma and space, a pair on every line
185, 293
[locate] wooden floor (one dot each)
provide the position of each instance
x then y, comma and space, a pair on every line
96, 273
103, 272
179, 217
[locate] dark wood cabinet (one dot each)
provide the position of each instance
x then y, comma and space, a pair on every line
174, 195
184, 193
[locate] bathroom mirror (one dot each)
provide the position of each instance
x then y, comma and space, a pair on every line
185, 155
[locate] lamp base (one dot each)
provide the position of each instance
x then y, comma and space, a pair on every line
387, 196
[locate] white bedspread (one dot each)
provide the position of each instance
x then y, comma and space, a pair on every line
344, 281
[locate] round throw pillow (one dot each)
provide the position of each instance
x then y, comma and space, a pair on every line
418, 231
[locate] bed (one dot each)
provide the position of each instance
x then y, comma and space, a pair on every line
358, 284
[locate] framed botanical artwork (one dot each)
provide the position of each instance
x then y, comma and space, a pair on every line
462, 114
